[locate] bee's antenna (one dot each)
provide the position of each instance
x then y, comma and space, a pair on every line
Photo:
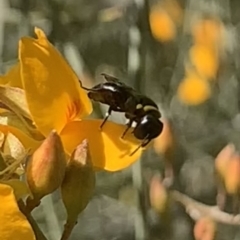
87, 89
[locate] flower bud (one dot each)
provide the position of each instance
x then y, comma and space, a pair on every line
204, 229
232, 176
46, 168
158, 195
165, 141
223, 158
79, 182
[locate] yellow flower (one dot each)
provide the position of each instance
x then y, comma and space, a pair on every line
56, 101
13, 224
205, 59
193, 90
161, 24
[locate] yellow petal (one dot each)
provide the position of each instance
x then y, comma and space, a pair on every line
193, 90
161, 24
12, 78
10, 119
205, 60
53, 91
26, 141
13, 224
207, 31
107, 149
20, 188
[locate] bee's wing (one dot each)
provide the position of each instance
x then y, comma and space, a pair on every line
116, 81
110, 78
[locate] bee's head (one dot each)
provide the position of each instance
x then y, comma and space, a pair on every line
148, 127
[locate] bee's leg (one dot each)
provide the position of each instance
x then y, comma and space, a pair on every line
108, 113
144, 143
129, 124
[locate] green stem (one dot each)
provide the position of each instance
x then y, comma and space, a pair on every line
38, 233
68, 230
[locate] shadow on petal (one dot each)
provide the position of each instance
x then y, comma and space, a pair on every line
27, 142
108, 151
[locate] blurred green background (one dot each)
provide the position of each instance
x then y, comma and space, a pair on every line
115, 37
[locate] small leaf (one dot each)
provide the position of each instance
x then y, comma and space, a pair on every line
13, 147
14, 167
15, 99
3, 164
13, 224
20, 188
108, 150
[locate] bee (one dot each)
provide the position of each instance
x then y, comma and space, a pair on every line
137, 107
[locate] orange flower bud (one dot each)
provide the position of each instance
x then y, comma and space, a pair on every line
205, 59
193, 90
204, 229
46, 168
158, 195
161, 24
223, 158
232, 176
207, 31
79, 182
164, 142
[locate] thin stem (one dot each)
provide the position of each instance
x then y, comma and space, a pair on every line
38, 233
67, 230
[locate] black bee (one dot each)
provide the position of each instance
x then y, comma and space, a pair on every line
137, 108
113, 93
